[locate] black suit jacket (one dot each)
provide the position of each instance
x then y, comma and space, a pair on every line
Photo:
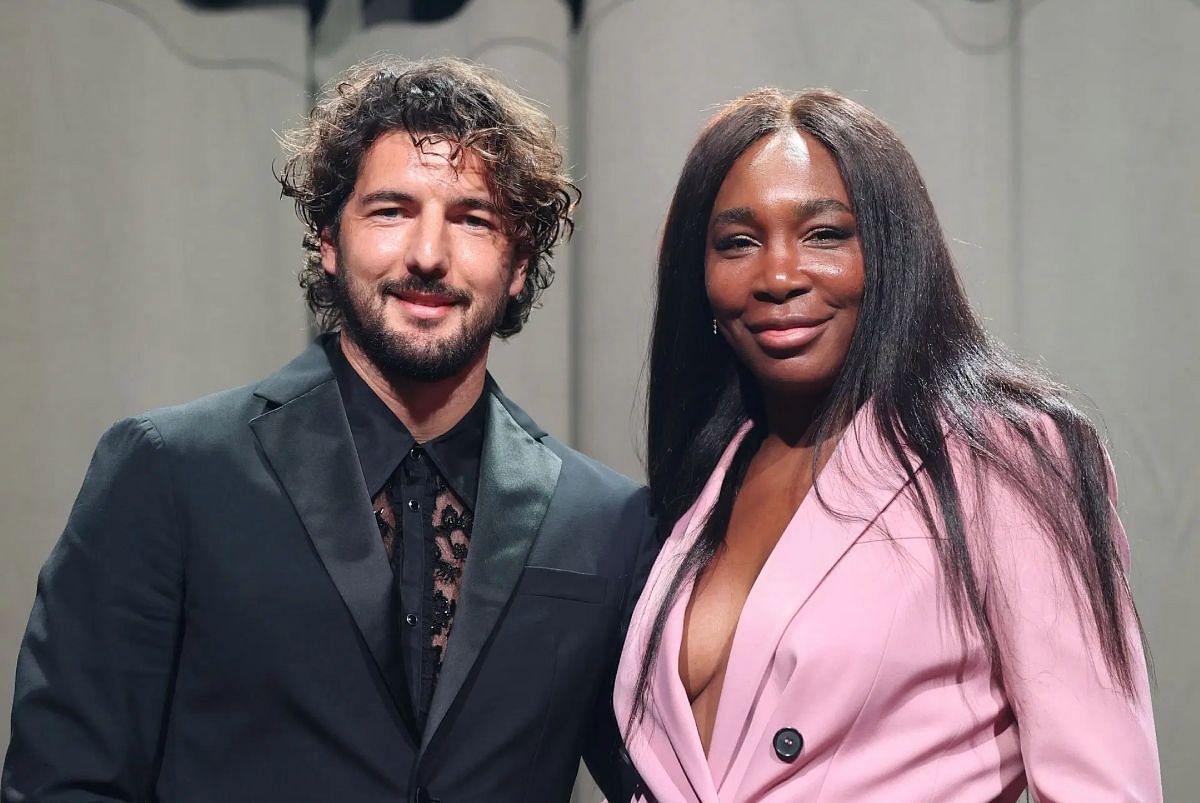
215, 623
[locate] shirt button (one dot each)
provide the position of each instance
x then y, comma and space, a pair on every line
415, 453
414, 505
788, 743
411, 620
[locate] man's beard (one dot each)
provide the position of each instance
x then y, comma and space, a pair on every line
410, 356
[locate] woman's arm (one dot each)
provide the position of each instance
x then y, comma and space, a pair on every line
1082, 736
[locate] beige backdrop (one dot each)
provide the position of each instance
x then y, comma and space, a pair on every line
149, 260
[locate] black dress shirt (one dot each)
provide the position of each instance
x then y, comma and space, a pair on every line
430, 489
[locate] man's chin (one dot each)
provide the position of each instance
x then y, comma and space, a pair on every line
399, 357
405, 348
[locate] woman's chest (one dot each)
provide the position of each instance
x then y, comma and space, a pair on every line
718, 597
874, 642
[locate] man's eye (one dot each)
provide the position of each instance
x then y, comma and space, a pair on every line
476, 222
387, 211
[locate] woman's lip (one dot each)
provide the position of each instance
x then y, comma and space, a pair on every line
789, 339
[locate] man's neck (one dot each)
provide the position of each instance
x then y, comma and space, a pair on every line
427, 409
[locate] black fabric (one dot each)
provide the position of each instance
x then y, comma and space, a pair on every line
375, 12
315, 7
578, 8
382, 11
215, 622
413, 474
383, 442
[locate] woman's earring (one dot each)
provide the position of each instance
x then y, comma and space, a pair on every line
714, 326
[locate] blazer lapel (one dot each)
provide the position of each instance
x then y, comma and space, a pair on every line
858, 483
307, 441
518, 475
677, 720
666, 744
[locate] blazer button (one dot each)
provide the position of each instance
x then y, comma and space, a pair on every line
788, 744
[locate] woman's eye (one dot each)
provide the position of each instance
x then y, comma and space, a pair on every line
733, 242
830, 234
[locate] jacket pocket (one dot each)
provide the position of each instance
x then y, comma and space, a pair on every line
543, 581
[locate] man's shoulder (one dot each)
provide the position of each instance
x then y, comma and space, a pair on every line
203, 423
595, 492
182, 434
599, 506
598, 476
580, 473
218, 414
212, 408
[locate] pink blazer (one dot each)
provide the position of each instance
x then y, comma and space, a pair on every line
846, 638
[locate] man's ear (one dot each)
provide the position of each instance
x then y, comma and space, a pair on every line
329, 256
520, 272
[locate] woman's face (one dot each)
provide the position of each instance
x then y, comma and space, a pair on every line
783, 263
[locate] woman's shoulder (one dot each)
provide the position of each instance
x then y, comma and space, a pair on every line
1025, 445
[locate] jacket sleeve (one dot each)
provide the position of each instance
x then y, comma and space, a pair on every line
604, 752
1082, 737
94, 674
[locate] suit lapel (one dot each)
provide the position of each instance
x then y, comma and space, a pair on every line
858, 483
668, 736
518, 476
308, 443
677, 720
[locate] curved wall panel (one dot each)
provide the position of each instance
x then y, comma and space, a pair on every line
147, 257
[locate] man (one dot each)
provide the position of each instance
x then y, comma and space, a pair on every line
369, 577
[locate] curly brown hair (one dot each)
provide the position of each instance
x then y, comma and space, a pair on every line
434, 100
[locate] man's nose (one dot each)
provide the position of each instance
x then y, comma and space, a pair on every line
427, 252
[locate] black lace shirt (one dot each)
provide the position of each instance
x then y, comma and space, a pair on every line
423, 496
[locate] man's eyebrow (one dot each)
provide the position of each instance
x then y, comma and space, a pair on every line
475, 202
815, 206
736, 214
389, 196
396, 196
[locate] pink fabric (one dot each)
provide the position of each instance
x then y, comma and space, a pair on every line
846, 636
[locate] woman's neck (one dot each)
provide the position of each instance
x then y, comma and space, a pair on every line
793, 418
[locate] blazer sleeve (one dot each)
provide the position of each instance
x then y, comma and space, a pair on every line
94, 674
1082, 737
604, 752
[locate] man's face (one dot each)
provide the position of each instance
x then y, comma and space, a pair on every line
421, 264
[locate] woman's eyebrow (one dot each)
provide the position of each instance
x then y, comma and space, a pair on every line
736, 214
815, 206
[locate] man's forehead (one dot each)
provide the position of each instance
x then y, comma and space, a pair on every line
400, 149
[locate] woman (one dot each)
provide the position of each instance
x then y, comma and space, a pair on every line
893, 570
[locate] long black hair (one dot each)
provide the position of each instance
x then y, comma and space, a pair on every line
933, 377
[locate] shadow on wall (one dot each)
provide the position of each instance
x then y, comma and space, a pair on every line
373, 11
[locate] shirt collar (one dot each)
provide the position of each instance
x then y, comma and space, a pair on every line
382, 440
